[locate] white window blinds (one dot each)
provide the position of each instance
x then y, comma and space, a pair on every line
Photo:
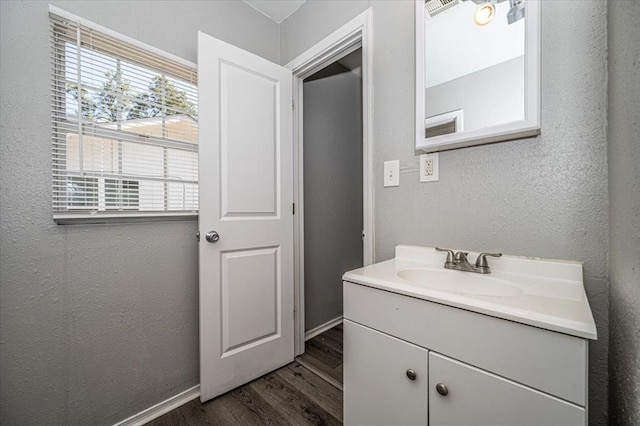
124, 124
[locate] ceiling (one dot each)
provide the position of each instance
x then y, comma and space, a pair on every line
353, 61
278, 10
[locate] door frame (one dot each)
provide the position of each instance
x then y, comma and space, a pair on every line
357, 33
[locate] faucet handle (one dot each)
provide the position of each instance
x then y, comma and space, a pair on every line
449, 255
481, 261
461, 256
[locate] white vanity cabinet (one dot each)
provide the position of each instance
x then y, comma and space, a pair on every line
398, 350
473, 396
385, 379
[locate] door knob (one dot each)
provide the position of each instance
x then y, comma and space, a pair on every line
411, 374
212, 236
442, 389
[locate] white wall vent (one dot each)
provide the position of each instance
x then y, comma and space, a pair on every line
434, 7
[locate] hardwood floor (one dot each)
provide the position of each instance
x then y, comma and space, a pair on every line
292, 395
323, 355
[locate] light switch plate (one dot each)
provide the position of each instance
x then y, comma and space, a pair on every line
429, 167
392, 173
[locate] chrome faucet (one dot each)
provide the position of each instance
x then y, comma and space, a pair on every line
459, 261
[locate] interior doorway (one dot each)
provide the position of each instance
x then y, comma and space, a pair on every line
333, 210
345, 53
332, 118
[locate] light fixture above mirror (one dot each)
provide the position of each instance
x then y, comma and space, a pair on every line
478, 59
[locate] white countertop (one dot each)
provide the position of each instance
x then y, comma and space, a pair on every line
550, 293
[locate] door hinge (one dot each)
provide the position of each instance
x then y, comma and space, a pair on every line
293, 104
363, 235
293, 208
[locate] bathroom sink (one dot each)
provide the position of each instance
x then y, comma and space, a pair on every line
460, 282
544, 293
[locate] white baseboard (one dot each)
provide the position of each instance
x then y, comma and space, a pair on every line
164, 407
322, 328
182, 398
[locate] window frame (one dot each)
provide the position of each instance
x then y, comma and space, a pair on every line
104, 213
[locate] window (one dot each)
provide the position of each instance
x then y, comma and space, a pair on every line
81, 192
121, 194
444, 124
124, 124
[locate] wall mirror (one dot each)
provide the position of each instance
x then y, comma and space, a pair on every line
477, 72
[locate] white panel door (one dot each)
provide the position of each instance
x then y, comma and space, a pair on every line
246, 195
385, 379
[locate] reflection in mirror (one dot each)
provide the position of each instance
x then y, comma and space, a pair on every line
474, 77
474, 63
444, 124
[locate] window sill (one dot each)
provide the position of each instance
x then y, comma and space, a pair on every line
118, 217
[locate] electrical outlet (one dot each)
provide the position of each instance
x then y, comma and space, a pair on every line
429, 167
392, 173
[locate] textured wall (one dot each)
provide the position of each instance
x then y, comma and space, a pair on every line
538, 197
332, 190
624, 211
96, 322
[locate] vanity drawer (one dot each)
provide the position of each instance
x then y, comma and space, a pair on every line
551, 362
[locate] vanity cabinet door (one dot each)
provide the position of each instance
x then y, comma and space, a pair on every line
385, 379
476, 397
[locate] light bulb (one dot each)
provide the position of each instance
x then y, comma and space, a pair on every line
484, 14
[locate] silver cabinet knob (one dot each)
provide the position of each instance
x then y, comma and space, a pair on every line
442, 389
212, 236
411, 374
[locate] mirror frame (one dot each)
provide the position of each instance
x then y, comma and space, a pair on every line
528, 127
